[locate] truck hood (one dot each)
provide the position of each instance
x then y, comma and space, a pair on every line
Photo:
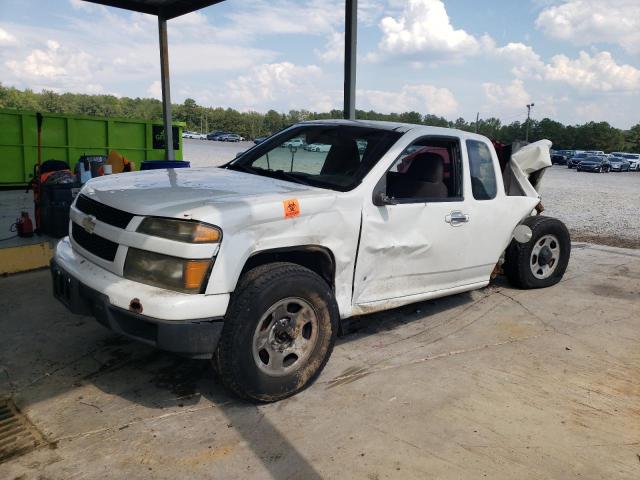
194, 193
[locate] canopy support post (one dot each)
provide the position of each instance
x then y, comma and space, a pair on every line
169, 153
350, 46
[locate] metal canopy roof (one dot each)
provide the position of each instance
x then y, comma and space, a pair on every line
162, 8
168, 9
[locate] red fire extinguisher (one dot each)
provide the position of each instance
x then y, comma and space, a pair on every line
24, 226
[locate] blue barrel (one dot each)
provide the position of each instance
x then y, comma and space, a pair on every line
160, 164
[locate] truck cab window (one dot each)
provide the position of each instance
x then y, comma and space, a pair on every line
430, 169
483, 175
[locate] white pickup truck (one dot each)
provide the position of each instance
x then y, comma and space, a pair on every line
255, 263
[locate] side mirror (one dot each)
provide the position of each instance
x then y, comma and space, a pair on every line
239, 154
380, 199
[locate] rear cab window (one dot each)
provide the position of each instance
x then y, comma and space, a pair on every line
484, 185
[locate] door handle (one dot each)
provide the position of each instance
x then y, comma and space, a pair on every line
456, 218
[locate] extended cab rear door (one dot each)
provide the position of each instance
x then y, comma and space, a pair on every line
492, 214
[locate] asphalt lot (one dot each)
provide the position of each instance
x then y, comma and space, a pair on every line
498, 383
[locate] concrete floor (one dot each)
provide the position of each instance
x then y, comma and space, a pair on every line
499, 383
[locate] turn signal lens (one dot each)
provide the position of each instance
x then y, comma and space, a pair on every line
180, 230
206, 234
194, 273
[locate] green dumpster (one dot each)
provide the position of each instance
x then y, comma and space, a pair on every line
67, 137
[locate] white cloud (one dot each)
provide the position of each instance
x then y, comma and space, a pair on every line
424, 27
263, 17
283, 83
333, 49
599, 72
7, 38
587, 22
526, 62
510, 97
58, 68
510, 100
155, 89
421, 98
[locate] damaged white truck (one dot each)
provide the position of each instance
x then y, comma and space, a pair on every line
255, 263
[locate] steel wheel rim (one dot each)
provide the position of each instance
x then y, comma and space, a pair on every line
285, 336
545, 256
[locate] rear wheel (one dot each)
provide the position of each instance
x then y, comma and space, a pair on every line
542, 261
278, 333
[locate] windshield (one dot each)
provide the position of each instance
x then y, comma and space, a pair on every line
327, 156
594, 159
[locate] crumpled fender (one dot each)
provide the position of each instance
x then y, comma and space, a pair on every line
519, 178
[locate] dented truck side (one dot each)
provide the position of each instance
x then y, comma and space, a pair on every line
398, 220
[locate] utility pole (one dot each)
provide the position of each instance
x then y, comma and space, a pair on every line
477, 120
526, 138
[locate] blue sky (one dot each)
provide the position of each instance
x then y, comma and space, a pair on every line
578, 60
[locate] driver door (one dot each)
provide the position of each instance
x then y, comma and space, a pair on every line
415, 242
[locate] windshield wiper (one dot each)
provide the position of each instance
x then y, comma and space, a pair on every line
239, 166
292, 177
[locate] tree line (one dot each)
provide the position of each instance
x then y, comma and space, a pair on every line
251, 124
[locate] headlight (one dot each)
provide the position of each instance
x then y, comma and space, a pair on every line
180, 230
167, 272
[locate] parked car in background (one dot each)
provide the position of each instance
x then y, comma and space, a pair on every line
594, 152
318, 147
296, 142
594, 163
577, 158
196, 135
230, 137
632, 158
216, 135
619, 164
561, 157
258, 140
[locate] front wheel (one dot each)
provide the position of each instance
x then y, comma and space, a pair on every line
542, 261
278, 333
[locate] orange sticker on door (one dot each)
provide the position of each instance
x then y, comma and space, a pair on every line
291, 208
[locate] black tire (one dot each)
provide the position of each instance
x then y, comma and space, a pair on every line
519, 266
258, 290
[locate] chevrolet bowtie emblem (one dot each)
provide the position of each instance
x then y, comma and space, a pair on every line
89, 224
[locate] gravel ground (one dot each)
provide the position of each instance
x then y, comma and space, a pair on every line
597, 208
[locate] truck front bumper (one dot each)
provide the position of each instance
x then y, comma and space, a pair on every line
193, 337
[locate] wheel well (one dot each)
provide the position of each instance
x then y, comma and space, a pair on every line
317, 259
